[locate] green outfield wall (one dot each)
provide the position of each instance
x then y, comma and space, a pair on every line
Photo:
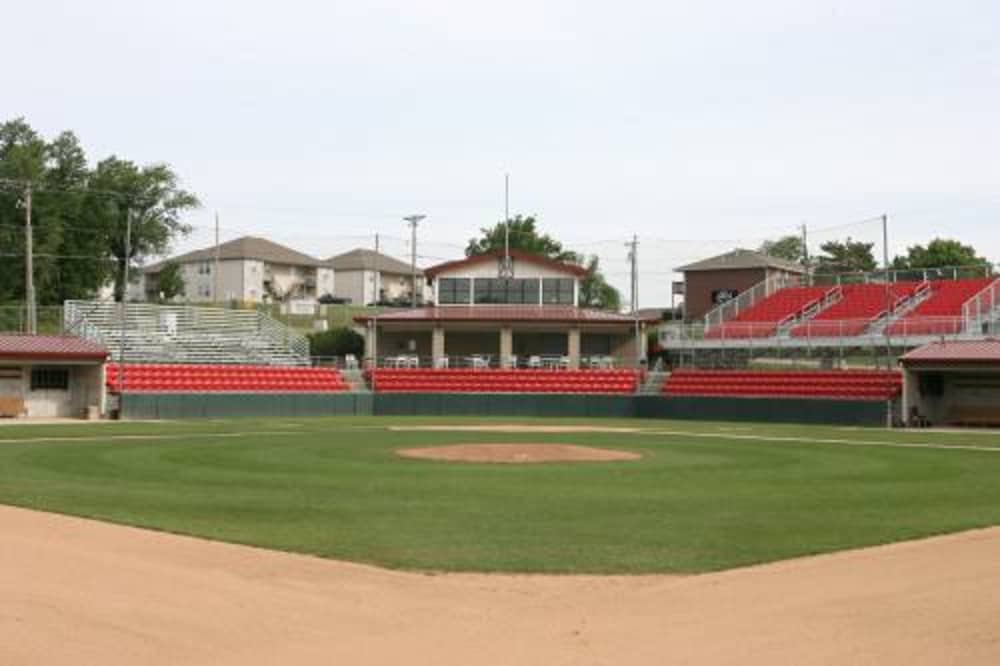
226, 405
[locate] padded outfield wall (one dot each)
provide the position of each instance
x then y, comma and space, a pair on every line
226, 405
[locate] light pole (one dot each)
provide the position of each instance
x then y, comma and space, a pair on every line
413, 220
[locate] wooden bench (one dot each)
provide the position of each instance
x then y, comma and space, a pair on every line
11, 406
975, 416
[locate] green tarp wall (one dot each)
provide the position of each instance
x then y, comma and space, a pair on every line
223, 405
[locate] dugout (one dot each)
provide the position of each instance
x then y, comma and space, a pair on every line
952, 383
46, 376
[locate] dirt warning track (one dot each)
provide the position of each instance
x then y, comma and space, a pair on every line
82, 592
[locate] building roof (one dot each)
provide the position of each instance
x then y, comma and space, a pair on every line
521, 255
741, 260
563, 314
50, 347
362, 259
247, 247
963, 352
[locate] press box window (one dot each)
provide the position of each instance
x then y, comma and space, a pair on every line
557, 291
49, 379
454, 291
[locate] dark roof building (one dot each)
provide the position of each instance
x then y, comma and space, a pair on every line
368, 260
247, 247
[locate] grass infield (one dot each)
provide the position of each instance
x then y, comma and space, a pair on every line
703, 497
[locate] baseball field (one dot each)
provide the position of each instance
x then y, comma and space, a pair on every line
654, 501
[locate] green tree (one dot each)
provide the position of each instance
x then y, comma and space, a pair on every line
940, 253
595, 292
337, 342
524, 235
849, 256
154, 198
789, 248
78, 215
170, 282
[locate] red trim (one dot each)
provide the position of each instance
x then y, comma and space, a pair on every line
530, 257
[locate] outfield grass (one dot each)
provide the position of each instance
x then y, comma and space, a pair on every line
704, 497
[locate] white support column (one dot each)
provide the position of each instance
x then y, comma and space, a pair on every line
437, 346
506, 344
573, 348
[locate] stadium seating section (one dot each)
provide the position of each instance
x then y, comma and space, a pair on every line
860, 307
763, 318
176, 378
941, 313
847, 384
504, 381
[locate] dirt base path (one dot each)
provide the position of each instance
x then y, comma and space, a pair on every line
78, 592
517, 454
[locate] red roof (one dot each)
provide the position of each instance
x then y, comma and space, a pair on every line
965, 351
50, 347
563, 314
529, 257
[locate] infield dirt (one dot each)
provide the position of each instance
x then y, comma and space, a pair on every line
82, 592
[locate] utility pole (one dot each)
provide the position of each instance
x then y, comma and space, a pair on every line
805, 253
888, 312
506, 264
29, 265
374, 331
413, 220
633, 256
215, 270
124, 313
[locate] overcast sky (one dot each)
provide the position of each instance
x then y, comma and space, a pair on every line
699, 126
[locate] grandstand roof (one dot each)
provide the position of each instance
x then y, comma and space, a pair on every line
962, 351
247, 247
740, 260
562, 314
362, 259
50, 347
521, 255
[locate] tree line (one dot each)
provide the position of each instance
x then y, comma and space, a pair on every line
852, 256
79, 215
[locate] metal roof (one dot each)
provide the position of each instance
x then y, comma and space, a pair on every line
741, 260
563, 314
53, 347
521, 255
247, 247
962, 351
363, 259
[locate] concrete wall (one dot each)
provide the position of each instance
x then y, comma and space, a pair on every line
86, 388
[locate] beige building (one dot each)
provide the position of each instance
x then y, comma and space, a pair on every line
250, 269
45, 376
526, 317
358, 271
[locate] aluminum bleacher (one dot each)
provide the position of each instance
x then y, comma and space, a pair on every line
186, 334
845, 384
453, 380
202, 378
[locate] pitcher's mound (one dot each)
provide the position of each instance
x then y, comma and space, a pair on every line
518, 453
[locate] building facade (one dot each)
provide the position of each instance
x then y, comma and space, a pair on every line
250, 270
522, 317
366, 277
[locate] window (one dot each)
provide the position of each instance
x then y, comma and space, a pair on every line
507, 292
557, 291
205, 268
204, 290
49, 379
453, 291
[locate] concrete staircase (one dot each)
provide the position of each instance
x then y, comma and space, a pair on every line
654, 383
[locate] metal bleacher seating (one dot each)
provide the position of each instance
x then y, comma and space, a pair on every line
186, 334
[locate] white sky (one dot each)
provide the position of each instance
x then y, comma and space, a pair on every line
699, 126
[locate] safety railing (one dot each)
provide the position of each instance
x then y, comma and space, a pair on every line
980, 313
746, 300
